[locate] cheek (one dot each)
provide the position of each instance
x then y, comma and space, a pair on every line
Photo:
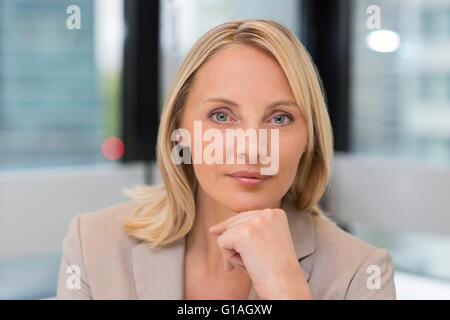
207, 175
290, 156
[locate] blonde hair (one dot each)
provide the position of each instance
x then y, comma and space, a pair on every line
167, 211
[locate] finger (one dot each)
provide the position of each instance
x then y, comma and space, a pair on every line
227, 254
222, 226
235, 223
233, 261
243, 267
236, 260
227, 244
233, 218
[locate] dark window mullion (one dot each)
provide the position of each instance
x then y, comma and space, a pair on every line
140, 80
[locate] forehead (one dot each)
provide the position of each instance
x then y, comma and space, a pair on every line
242, 69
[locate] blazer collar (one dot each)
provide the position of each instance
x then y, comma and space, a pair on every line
159, 272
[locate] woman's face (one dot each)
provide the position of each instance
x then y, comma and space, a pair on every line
252, 80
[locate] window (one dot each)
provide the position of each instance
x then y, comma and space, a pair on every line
184, 21
400, 102
400, 110
59, 100
58, 86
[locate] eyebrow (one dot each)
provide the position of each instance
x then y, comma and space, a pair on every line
271, 105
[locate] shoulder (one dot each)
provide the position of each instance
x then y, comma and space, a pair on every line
346, 263
97, 248
103, 227
332, 240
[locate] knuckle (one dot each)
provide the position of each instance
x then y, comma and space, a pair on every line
258, 223
272, 215
247, 231
220, 241
281, 213
278, 213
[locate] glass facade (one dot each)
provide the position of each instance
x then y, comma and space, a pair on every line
57, 104
400, 108
400, 99
59, 100
184, 21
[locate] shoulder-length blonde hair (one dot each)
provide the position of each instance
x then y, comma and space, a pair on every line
167, 211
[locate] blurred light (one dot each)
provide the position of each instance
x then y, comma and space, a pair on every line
383, 41
113, 148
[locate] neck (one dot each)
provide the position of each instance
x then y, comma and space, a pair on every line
200, 242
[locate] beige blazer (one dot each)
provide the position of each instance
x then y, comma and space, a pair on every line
113, 265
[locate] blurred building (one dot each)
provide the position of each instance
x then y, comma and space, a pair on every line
400, 100
50, 108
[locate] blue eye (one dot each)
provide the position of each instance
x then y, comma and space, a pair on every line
281, 118
220, 116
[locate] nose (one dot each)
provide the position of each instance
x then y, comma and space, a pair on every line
254, 150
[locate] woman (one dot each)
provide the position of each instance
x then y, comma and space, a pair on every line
219, 229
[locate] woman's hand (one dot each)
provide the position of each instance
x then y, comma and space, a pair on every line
260, 242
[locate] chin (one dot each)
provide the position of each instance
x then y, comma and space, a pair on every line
240, 202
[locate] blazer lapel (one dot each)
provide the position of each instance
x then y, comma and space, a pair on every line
159, 272
301, 225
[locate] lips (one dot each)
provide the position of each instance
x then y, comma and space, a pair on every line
248, 178
248, 174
